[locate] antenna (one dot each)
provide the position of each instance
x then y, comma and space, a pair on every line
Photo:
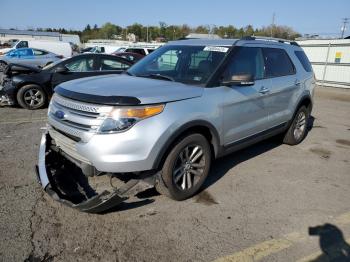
273, 23
343, 28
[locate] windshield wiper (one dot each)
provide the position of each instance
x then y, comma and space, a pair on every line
158, 76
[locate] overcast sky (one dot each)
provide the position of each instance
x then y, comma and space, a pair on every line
305, 16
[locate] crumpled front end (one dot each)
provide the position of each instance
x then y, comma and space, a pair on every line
6, 92
64, 180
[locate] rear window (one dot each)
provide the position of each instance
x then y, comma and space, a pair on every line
136, 50
39, 52
304, 60
277, 63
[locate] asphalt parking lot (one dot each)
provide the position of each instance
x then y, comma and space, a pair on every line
257, 205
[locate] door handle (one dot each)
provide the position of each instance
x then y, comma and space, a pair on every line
263, 90
297, 83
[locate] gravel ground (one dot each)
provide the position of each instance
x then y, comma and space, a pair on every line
257, 204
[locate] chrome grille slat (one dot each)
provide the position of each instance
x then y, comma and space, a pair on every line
67, 145
77, 112
80, 119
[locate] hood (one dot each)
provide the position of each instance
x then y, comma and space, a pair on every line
18, 68
5, 50
124, 89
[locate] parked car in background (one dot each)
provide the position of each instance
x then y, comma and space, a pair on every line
28, 56
32, 87
104, 49
170, 115
133, 57
86, 50
61, 48
139, 50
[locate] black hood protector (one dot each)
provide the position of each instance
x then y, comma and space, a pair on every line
97, 99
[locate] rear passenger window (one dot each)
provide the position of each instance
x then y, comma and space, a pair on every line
39, 52
109, 64
277, 63
247, 60
304, 60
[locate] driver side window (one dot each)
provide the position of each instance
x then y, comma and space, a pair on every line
81, 65
247, 60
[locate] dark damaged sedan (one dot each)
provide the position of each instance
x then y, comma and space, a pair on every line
32, 87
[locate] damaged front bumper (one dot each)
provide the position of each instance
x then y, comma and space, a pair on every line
65, 182
6, 98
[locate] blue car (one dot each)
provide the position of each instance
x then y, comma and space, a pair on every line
28, 56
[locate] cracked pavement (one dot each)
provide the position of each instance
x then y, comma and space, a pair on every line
255, 195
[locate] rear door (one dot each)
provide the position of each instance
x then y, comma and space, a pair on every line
280, 69
78, 67
41, 57
245, 107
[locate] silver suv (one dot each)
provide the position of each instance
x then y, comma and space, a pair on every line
163, 122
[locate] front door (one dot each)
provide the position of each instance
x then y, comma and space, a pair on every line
245, 110
77, 67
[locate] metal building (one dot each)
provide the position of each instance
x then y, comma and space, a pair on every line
7, 34
330, 59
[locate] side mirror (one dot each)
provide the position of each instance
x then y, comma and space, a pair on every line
61, 69
242, 79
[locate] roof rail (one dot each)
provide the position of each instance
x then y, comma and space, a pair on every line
266, 38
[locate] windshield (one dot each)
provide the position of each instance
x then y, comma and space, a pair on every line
180, 63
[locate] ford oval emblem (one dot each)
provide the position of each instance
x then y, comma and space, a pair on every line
60, 114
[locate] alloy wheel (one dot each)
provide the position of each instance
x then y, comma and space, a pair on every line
33, 97
189, 167
300, 125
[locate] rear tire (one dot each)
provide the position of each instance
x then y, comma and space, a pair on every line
298, 128
31, 97
186, 167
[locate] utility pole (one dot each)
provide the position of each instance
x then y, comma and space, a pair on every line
147, 34
273, 23
343, 28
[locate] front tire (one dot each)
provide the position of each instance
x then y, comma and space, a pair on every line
186, 167
31, 97
298, 128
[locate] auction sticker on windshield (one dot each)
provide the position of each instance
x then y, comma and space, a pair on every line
216, 49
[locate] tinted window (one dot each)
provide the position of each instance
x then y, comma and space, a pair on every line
39, 52
304, 60
81, 65
136, 50
277, 63
150, 50
109, 64
247, 60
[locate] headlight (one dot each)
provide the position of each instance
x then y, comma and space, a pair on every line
123, 118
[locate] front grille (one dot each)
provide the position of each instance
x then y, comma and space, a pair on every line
76, 118
67, 145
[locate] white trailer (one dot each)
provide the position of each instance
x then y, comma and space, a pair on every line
330, 59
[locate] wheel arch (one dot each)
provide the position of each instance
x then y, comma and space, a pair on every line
198, 126
306, 101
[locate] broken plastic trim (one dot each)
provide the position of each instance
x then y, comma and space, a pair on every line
91, 202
